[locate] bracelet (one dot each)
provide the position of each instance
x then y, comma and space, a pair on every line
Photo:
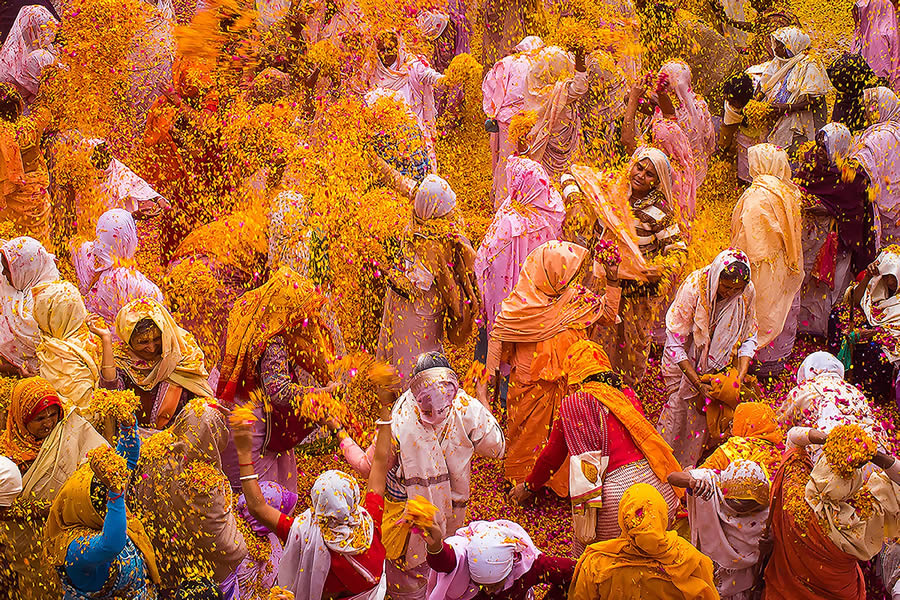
249, 464
388, 422
107, 366
249, 477
110, 496
427, 549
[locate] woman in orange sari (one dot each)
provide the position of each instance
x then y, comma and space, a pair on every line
34, 410
549, 310
278, 353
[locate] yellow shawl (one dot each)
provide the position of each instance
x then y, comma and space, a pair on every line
182, 359
68, 353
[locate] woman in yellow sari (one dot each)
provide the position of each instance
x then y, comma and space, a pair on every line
645, 562
549, 310
69, 355
157, 359
766, 225
278, 354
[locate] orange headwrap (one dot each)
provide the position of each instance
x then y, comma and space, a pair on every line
756, 420
586, 358
29, 397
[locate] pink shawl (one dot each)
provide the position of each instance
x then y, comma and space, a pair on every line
876, 37
107, 275
875, 146
693, 115
671, 138
28, 48
531, 215
503, 88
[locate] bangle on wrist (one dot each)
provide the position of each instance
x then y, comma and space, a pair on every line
249, 464
249, 477
384, 422
439, 550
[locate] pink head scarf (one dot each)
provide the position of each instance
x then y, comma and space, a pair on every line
877, 148
434, 390
487, 552
693, 115
876, 38
28, 48
671, 138
531, 215
105, 267
434, 198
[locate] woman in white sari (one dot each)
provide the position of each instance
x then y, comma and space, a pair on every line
795, 84
727, 521
26, 264
710, 327
437, 428
822, 399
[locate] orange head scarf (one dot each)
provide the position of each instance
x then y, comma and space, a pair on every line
756, 420
644, 544
586, 358
547, 298
29, 397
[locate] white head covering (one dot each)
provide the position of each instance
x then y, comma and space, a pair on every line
818, 363
28, 48
881, 105
434, 198
432, 24
29, 265
487, 552
10, 481
529, 44
661, 164
434, 390
882, 310
768, 159
837, 140
336, 521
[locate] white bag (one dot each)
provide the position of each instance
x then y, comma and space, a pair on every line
586, 473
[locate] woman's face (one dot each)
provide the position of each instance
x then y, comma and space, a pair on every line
779, 49
43, 423
387, 49
643, 177
821, 149
743, 507
729, 288
147, 345
890, 283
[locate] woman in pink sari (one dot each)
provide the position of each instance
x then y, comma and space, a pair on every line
873, 150
531, 215
693, 115
503, 90
106, 270
27, 50
877, 38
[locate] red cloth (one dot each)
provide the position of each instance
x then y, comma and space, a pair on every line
557, 572
806, 565
581, 417
343, 579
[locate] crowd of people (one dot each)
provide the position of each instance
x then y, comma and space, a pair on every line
282, 280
